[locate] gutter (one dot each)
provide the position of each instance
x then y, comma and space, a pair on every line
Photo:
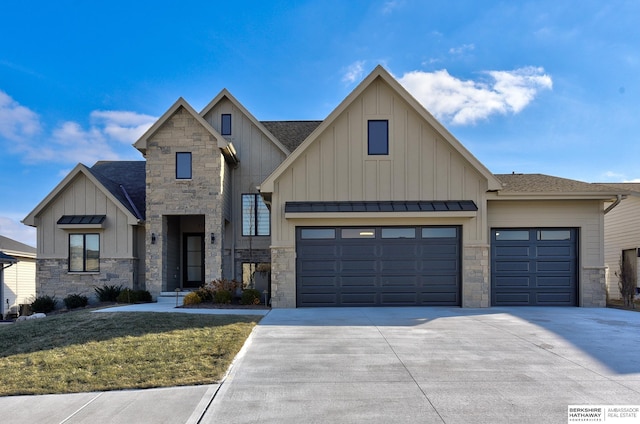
619, 198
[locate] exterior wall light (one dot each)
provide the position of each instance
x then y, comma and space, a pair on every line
153, 238
213, 238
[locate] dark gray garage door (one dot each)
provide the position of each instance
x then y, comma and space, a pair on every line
378, 266
534, 266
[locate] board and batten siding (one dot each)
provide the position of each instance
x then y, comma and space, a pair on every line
622, 232
82, 197
421, 165
258, 157
586, 215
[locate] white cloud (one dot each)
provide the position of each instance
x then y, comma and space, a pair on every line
462, 49
353, 72
10, 226
390, 6
465, 102
17, 121
69, 142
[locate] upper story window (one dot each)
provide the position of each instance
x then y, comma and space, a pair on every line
225, 124
378, 137
183, 165
255, 216
84, 252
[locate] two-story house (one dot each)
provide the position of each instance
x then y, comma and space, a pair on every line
378, 204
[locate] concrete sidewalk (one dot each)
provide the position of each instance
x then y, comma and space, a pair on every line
400, 365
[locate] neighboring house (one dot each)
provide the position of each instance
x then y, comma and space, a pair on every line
376, 205
17, 276
622, 236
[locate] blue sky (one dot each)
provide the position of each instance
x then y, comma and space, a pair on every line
535, 87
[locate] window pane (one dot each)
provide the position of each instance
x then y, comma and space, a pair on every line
225, 127
378, 142
183, 165
263, 217
76, 252
248, 221
512, 235
554, 235
398, 233
442, 232
358, 233
318, 233
92, 246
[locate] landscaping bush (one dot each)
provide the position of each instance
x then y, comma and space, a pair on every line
250, 297
205, 293
44, 304
134, 296
192, 298
74, 301
222, 296
108, 293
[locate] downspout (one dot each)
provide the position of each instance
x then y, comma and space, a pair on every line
619, 198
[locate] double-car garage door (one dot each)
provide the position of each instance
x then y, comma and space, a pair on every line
378, 266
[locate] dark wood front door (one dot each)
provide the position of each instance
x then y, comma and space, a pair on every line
193, 260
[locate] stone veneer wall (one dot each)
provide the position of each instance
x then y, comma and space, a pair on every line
53, 279
283, 277
593, 287
475, 277
166, 195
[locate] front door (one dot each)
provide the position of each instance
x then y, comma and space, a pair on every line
193, 260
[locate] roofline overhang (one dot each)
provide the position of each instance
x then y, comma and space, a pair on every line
499, 195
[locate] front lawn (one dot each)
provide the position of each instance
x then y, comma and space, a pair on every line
84, 351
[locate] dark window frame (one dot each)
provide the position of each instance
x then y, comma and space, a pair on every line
180, 174
377, 142
85, 256
255, 218
225, 127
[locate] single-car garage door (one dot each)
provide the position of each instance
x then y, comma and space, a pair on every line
378, 266
534, 266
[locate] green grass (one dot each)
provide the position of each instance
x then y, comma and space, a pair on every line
84, 351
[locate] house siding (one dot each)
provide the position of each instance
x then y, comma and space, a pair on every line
258, 157
622, 233
586, 215
421, 164
19, 283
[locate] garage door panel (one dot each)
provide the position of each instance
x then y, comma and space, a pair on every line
512, 266
554, 266
349, 281
554, 251
311, 281
511, 251
375, 270
550, 282
318, 249
318, 299
512, 281
548, 276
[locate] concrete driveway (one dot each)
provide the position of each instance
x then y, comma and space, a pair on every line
431, 365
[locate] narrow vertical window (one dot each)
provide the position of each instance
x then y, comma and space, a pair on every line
255, 216
225, 125
84, 252
378, 137
183, 165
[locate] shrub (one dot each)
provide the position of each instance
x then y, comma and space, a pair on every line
250, 297
192, 298
133, 296
44, 304
108, 293
222, 296
75, 301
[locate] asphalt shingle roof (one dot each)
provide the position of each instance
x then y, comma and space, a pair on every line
634, 187
540, 183
130, 175
9, 244
291, 133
